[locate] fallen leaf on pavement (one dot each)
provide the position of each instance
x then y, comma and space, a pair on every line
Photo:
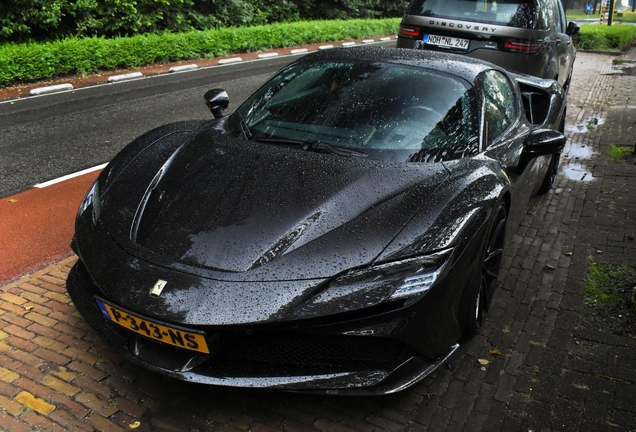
483, 361
495, 352
611, 378
134, 425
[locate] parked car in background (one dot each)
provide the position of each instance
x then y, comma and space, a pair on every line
340, 231
526, 36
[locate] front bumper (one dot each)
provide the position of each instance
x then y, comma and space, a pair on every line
332, 356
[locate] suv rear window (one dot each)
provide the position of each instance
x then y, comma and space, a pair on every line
511, 13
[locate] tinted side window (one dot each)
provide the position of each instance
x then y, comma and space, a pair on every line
500, 106
559, 16
512, 13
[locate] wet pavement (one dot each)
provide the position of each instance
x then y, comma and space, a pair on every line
546, 369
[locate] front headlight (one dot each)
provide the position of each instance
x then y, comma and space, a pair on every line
407, 280
91, 200
409, 277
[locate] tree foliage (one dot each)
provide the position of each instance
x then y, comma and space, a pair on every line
40, 20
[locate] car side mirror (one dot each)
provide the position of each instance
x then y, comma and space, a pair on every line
542, 142
217, 100
573, 29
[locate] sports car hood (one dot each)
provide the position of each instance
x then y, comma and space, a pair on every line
220, 205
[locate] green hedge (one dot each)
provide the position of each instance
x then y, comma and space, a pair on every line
603, 37
41, 20
38, 61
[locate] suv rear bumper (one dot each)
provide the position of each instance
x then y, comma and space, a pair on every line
536, 64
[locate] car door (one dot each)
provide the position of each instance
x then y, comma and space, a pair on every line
562, 42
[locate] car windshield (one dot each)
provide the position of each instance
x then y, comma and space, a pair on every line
369, 109
511, 13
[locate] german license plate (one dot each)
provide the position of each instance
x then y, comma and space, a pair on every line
192, 340
446, 41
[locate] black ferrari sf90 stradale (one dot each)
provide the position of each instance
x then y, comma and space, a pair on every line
340, 231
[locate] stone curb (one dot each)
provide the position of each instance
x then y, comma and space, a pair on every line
183, 68
51, 89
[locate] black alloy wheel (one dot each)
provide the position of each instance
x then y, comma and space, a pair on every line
491, 264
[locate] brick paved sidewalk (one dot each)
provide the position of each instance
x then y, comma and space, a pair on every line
552, 374
585, 378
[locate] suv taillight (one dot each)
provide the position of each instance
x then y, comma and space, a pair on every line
528, 46
409, 31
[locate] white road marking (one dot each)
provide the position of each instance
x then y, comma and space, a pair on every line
70, 176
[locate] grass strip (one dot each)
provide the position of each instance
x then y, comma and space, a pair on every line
37, 61
604, 37
624, 16
602, 283
621, 153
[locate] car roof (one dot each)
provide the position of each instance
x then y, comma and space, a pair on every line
455, 64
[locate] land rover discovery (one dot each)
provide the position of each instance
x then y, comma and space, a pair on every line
527, 36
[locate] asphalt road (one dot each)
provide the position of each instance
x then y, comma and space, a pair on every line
46, 137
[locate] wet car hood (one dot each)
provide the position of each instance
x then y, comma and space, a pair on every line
238, 210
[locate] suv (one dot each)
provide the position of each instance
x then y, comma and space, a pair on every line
526, 36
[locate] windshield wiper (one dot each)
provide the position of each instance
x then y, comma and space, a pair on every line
340, 151
309, 145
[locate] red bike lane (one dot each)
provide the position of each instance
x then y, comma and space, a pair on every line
36, 226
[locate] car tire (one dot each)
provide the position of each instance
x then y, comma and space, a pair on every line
550, 176
481, 296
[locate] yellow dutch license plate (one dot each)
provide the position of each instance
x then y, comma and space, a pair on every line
192, 340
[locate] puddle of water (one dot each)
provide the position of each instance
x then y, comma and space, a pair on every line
626, 68
573, 166
586, 125
577, 172
630, 70
578, 151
